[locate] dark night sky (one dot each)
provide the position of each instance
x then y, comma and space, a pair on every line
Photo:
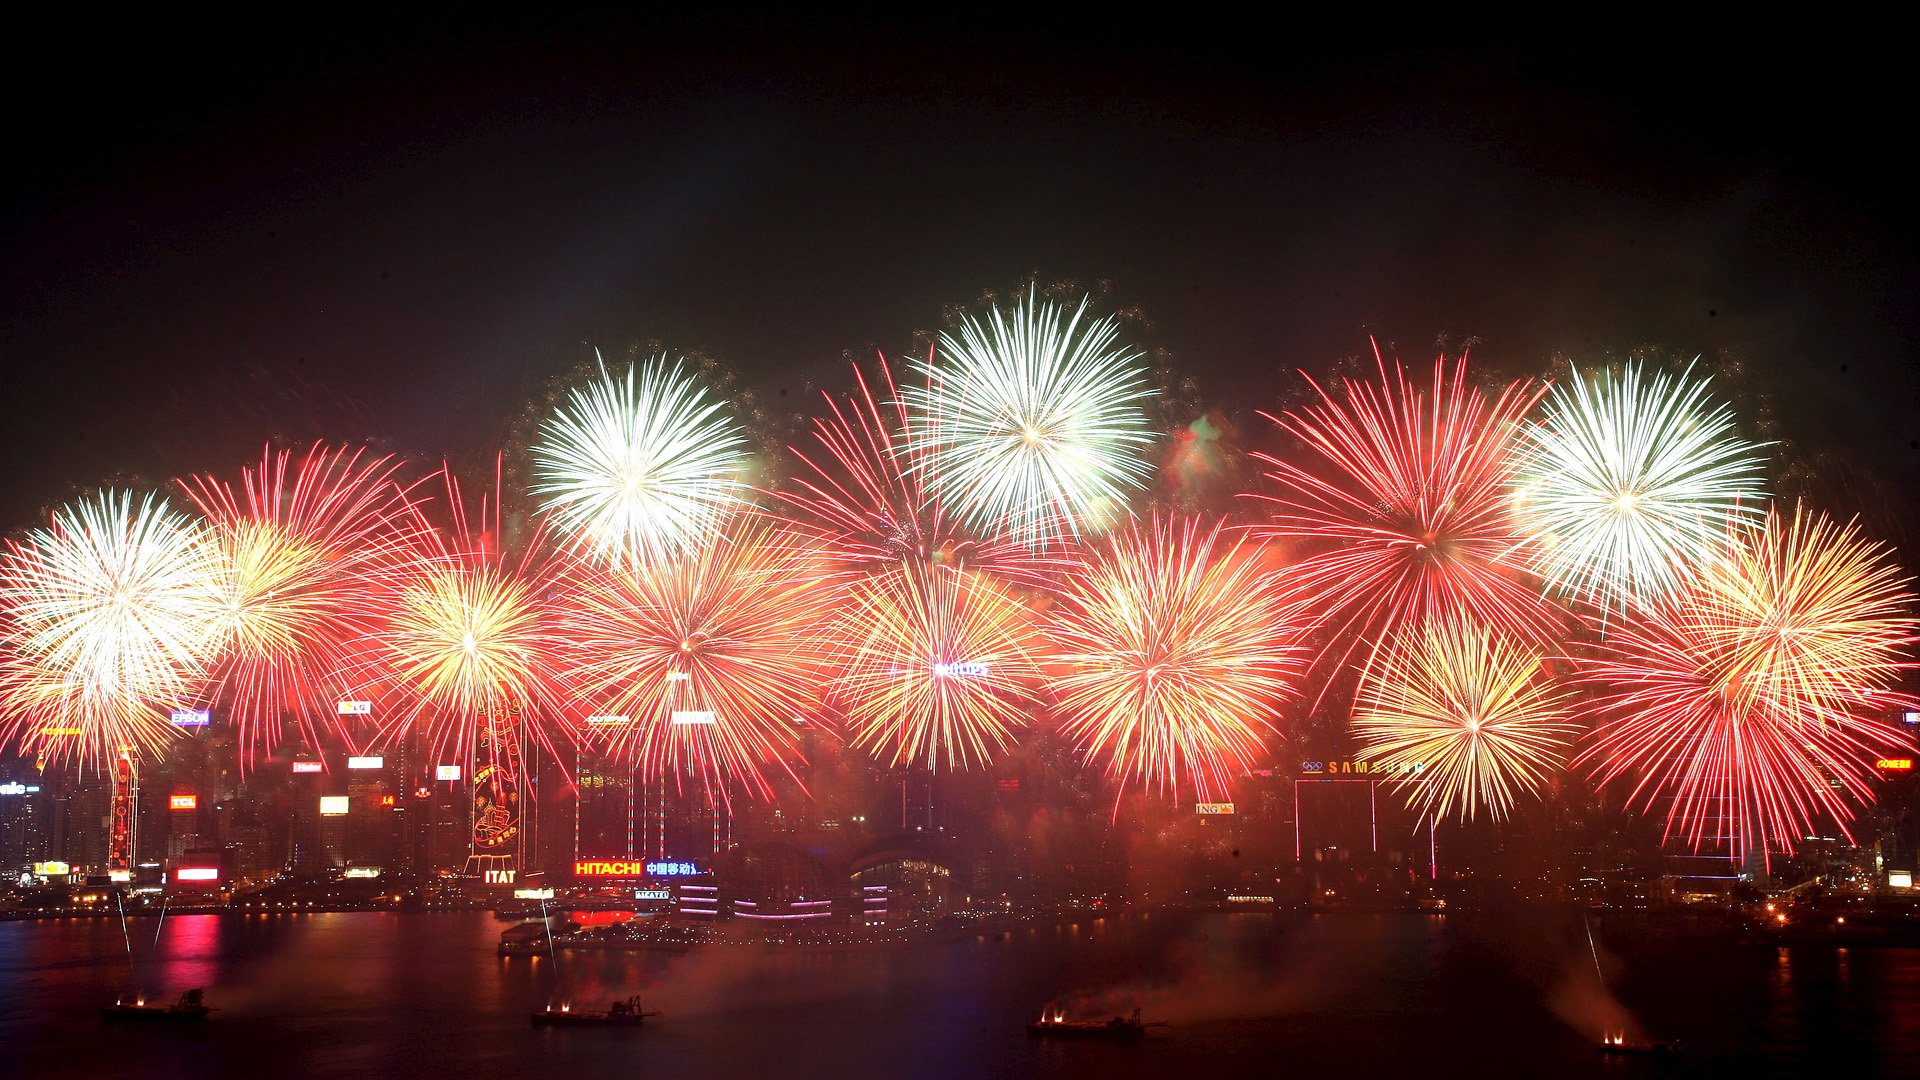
210, 235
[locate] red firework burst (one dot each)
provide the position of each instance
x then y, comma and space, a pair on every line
1173, 654
1748, 700
463, 649
299, 547
701, 665
1400, 501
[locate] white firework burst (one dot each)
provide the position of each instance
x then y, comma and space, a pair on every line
1628, 481
111, 616
1032, 426
641, 465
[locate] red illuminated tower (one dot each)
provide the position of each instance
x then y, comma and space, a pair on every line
124, 822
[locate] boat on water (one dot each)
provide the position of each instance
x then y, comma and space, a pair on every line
620, 1014
1620, 1044
191, 1008
1053, 1024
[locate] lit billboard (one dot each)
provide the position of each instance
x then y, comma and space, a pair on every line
1894, 764
191, 718
686, 717
196, 873
354, 708
183, 802
366, 763
333, 805
446, 772
1212, 808
306, 766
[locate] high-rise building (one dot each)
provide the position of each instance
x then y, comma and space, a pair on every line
26, 813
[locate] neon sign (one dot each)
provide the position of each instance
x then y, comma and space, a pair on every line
306, 766
354, 708
966, 669
685, 717
19, 789
197, 873
1213, 808
446, 772
183, 802
333, 805
366, 763
632, 868
607, 720
191, 718
1894, 764
609, 868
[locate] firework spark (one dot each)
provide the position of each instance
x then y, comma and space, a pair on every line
1466, 718
1033, 425
1628, 481
298, 547
1403, 505
109, 621
937, 666
639, 466
1172, 650
702, 664
1746, 699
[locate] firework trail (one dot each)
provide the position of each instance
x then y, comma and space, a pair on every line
1402, 506
1033, 426
299, 548
1468, 719
936, 666
1746, 700
701, 665
639, 466
1628, 481
1172, 651
109, 620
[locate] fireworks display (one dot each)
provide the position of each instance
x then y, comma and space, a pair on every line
110, 616
701, 665
297, 548
937, 666
1464, 719
1402, 506
1172, 651
641, 465
1628, 481
1031, 424
954, 566
1744, 705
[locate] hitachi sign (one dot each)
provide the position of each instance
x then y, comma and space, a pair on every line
609, 868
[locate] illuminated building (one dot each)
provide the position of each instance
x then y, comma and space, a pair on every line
26, 827
123, 822
899, 876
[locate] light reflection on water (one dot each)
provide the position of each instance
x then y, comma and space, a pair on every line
1339, 994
